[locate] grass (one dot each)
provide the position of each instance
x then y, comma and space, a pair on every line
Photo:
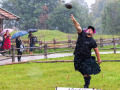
97, 36
48, 35
47, 76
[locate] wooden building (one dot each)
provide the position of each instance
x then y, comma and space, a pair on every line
6, 15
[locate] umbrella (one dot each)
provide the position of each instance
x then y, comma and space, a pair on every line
18, 34
4, 31
32, 30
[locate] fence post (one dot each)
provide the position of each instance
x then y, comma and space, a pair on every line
119, 41
114, 45
69, 40
45, 51
101, 42
40, 45
54, 42
13, 53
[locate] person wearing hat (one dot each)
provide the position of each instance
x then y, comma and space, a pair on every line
83, 61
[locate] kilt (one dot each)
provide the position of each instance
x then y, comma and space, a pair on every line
86, 66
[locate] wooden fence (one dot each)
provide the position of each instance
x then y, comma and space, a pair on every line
61, 44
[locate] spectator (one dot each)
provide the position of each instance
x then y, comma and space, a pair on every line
32, 43
7, 42
29, 36
18, 43
1, 40
30, 33
1, 44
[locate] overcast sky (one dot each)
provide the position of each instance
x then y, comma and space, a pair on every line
89, 2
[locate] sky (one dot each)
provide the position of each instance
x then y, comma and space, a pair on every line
89, 2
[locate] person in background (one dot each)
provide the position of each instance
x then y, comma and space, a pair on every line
29, 36
1, 43
83, 61
31, 43
30, 33
7, 42
1, 39
18, 43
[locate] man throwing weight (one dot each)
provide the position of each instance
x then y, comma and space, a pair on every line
83, 61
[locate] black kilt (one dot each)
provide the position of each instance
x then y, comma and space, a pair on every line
86, 66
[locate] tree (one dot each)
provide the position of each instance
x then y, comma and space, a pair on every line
27, 10
43, 18
111, 18
96, 13
60, 18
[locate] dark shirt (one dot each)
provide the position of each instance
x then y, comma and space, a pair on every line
84, 45
18, 43
29, 36
32, 40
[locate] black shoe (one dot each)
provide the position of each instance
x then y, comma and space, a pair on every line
87, 81
19, 59
85, 86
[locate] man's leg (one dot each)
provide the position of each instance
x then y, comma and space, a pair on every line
18, 54
87, 81
21, 55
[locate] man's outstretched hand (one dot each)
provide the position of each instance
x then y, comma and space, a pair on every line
72, 17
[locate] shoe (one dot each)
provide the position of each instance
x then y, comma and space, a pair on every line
85, 86
87, 81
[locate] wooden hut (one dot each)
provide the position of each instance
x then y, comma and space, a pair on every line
6, 15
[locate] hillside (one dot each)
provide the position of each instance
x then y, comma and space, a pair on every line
48, 35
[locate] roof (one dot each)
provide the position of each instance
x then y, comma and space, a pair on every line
4, 14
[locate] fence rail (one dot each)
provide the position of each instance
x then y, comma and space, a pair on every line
60, 44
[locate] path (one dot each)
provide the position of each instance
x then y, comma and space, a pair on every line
42, 57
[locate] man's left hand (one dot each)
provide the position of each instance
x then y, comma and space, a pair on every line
99, 61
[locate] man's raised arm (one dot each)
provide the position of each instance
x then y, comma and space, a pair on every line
76, 24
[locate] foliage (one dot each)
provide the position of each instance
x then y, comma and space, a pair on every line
60, 18
43, 18
106, 15
96, 12
35, 14
28, 10
111, 17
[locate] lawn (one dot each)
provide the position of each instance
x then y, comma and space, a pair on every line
48, 35
47, 76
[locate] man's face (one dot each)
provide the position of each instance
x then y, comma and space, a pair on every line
89, 32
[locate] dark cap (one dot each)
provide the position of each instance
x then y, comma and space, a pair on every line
91, 27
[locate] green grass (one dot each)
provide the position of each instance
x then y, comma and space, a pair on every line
47, 76
52, 50
48, 35
96, 36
